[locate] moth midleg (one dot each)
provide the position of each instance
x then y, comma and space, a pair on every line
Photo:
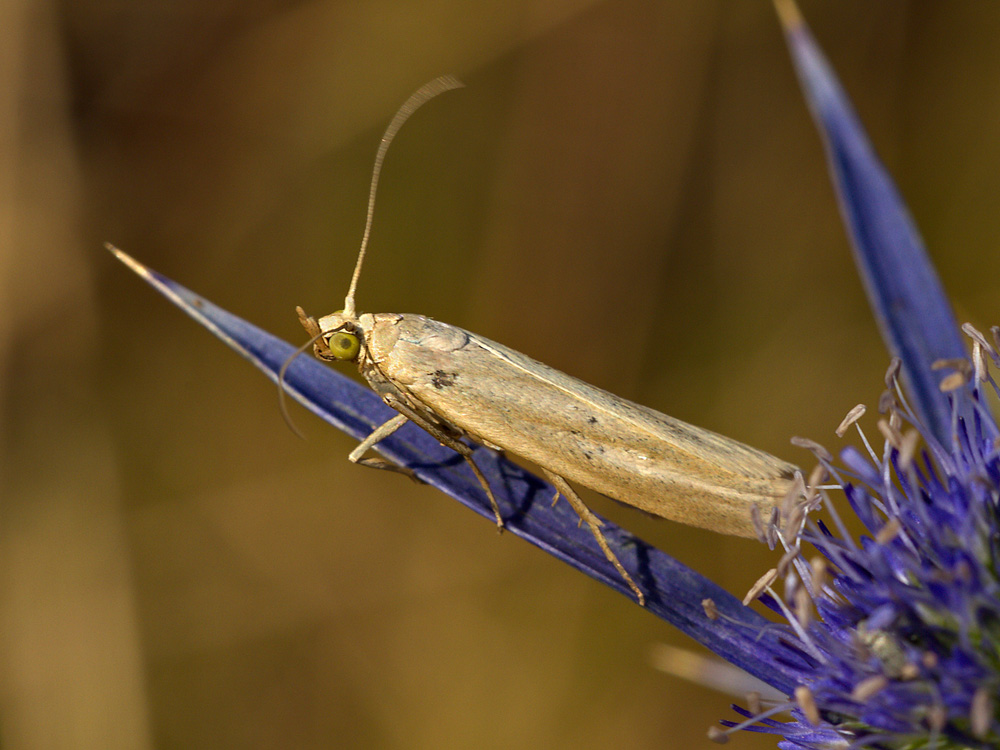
439, 432
595, 523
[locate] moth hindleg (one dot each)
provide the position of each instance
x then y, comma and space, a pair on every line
595, 523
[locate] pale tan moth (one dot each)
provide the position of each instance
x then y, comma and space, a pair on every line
457, 385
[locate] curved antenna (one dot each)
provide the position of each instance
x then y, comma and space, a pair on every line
417, 99
282, 402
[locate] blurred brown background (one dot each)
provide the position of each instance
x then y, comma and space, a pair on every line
178, 570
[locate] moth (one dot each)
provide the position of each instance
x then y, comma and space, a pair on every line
459, 386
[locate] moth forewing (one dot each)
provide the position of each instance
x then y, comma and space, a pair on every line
631, 453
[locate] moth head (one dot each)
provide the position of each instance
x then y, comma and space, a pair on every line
339, 337
334, 337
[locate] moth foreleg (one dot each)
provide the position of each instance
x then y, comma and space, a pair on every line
595, 523
357, 456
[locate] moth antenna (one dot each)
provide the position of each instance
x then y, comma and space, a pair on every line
282, 403
419, 97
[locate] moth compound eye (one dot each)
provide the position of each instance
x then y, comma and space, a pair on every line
344, 345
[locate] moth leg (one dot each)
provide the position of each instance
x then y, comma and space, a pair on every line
587, 516
380, 433
467, 455
465, 452
447, 440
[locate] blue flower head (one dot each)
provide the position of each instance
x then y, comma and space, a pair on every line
889, 641
901, 627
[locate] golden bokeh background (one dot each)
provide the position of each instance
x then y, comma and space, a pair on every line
630, 191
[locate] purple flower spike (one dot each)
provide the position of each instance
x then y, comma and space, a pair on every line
910, 305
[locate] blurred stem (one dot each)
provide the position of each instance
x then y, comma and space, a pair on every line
70, 663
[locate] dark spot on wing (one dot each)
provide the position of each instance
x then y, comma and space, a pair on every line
591, 420
442, 379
